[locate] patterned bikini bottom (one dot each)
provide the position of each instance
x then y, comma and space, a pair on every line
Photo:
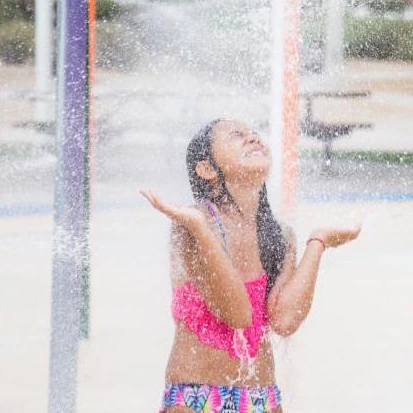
206, 398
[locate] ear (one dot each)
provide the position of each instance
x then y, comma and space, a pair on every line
205, 170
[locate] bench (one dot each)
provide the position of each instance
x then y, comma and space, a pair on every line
328, 132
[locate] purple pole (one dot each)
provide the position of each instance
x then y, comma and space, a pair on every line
69, 226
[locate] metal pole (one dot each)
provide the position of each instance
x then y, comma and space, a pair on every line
69, 208
44, 30
277, 101
334, 38
290, 112
284, 106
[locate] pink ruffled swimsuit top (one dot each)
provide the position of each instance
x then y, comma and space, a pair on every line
189, 307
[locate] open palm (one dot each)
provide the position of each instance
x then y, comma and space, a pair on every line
190, 217
334, 237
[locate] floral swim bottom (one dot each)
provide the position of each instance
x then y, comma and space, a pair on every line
206, 398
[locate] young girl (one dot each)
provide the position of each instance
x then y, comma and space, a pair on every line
234, 277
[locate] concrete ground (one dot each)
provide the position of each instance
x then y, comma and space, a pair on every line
353, 353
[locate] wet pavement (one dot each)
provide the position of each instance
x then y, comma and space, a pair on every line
358, 334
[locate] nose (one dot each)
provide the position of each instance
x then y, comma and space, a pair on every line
254, 137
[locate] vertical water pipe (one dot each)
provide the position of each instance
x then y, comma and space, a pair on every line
276, 102
284, 105
334, 35
89, 162
43, 59
290, 111
69, 204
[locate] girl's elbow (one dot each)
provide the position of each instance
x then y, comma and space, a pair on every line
284, 327
285, 331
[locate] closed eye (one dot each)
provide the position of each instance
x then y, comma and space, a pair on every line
236, 133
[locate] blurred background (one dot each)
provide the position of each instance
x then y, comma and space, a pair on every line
164, 68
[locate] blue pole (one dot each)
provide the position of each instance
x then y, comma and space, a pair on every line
69, 204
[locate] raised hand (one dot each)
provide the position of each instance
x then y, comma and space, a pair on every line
191, 217
334, 237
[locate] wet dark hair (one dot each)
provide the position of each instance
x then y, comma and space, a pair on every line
271, 242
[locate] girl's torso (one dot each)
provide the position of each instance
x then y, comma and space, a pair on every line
193, 361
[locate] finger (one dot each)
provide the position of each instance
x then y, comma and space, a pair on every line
356, 231
141, 191
170, 210
158, 203
151, 195
145, 193
154, 200
352, 234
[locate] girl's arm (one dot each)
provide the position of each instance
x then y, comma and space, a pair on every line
290, 300
213, 273
209, 266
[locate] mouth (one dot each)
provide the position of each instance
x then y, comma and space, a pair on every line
256, 151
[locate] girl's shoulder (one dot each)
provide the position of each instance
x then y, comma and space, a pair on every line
207, 208
183, 250
179, 229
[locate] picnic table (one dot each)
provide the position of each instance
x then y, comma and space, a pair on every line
328, 132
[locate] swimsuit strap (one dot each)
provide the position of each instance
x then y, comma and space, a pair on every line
217, 221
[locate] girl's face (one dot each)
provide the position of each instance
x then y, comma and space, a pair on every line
240, 152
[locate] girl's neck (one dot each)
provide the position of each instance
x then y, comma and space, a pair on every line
246, 198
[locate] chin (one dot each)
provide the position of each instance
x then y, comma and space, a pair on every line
260, 166
257, 173
250, 171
